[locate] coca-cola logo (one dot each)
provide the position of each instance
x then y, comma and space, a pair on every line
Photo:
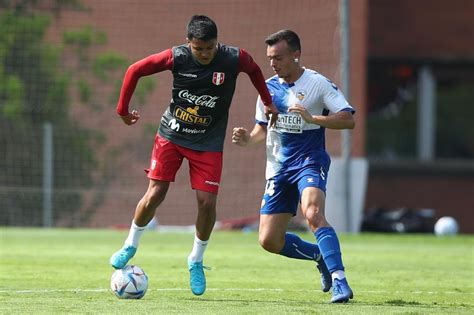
200, 100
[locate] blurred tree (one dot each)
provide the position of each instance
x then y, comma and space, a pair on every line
35, 88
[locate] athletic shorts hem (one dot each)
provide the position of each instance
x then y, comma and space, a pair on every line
207, 189
160, 178
278, 212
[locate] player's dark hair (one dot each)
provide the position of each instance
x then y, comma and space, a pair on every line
202, 27
288, 36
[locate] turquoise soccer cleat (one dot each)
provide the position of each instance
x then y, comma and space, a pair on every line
341, 292
326, 280
121, 258
197, 279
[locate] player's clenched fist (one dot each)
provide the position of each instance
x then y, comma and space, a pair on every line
131, 118
240, 136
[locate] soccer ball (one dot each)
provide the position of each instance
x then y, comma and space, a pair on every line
446, 226
131, 282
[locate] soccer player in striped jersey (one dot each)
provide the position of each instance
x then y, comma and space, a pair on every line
297, 161
192, 127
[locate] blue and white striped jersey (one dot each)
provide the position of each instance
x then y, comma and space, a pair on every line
293, 143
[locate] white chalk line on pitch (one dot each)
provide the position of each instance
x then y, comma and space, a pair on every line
32, 291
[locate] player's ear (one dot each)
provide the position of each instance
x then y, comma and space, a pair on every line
297, 56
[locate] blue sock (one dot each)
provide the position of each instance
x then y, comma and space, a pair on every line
329, 246
295, 247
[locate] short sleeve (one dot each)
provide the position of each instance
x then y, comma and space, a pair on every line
333, 98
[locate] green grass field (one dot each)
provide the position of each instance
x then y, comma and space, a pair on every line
66, 271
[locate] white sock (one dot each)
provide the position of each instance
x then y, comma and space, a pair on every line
134, 235
198, 250
338, 274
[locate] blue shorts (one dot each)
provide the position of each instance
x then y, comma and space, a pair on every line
283, 192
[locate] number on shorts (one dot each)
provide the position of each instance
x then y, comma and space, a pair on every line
270, 188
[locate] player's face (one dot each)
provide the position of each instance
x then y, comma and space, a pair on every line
203, 51
282, 60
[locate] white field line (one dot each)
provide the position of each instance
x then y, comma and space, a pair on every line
33, 291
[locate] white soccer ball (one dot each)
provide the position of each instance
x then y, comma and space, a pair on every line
131, 282
446, 226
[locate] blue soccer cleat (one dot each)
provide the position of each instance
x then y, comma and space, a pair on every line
121, 258
197, 279
341, 292
326, 279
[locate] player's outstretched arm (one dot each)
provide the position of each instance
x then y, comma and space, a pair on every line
242, 137
248, 65
147, 66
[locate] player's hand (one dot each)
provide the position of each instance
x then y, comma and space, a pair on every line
271, 112
240, 136
300, 109
131, 118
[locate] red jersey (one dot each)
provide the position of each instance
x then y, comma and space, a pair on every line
197, 115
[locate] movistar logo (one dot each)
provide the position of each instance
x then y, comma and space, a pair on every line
174, 125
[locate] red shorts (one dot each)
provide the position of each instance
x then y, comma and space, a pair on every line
205, 168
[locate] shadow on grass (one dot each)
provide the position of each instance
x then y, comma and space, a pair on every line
273, 302
399, 302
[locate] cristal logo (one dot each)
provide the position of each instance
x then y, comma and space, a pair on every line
200, 100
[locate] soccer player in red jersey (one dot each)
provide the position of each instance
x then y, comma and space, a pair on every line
192, 127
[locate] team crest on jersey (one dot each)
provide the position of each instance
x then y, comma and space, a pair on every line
218, 78
301, 95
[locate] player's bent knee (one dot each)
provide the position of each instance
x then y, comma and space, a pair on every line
316, 219
206, 204
270, 245
312, 211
